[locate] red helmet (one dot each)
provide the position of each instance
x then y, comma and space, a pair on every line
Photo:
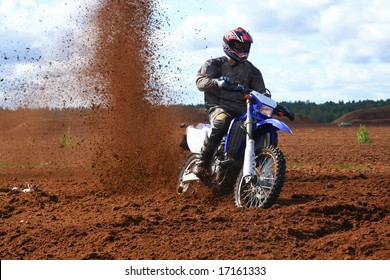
237, 43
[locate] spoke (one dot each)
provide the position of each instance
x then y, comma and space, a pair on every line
246, 194
264, 194
256, 195
251, 197
271, 178
261, 164
265, 187
267, 163
251, 201
258, 200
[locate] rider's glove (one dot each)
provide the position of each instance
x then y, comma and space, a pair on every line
290, 115
226, 79
224, 82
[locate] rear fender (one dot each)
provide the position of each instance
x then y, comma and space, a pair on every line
196, 136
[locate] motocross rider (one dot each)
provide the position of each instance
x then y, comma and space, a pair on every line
222, 105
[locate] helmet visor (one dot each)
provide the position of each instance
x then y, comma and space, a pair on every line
240, 47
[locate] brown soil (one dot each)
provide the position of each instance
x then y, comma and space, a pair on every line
101, 183
379, 116
334, 205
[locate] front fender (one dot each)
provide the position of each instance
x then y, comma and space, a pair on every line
279, 125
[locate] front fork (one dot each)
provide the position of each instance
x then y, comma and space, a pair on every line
249, 168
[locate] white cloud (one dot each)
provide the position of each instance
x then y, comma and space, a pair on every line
357, 31
286, 17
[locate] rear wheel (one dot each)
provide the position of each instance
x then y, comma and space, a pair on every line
270, 173
184, 180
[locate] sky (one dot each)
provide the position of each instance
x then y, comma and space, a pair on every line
317, 51
307, 50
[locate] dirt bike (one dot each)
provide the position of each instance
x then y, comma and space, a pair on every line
248, 159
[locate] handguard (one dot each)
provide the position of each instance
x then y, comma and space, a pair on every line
283, 111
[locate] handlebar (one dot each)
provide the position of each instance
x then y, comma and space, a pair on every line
279, 110
223, 84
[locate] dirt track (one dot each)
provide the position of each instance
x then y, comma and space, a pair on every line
335, 202
110, 194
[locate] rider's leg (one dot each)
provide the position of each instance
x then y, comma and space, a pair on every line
220, 121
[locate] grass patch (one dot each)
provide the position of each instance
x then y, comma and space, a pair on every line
10, 164
362, 135
349, 166
66, 139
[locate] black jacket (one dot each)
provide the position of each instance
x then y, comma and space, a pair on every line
244, 73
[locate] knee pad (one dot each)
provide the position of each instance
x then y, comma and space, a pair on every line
219, 118
220, 126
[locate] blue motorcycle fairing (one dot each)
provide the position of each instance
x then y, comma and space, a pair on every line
229, 135
260, 100
276, 123
273, 125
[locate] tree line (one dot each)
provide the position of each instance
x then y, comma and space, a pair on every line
325, 112
330, 111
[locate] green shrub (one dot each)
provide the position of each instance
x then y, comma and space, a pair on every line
362, 135
66, 139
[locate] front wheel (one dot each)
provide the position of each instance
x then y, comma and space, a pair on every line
270, 174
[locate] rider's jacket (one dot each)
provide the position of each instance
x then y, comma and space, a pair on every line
244, 73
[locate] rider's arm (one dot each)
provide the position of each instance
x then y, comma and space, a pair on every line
207, 76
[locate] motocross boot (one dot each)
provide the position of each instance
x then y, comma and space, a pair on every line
201, 167
220, 121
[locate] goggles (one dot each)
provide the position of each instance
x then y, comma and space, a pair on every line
241, 47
